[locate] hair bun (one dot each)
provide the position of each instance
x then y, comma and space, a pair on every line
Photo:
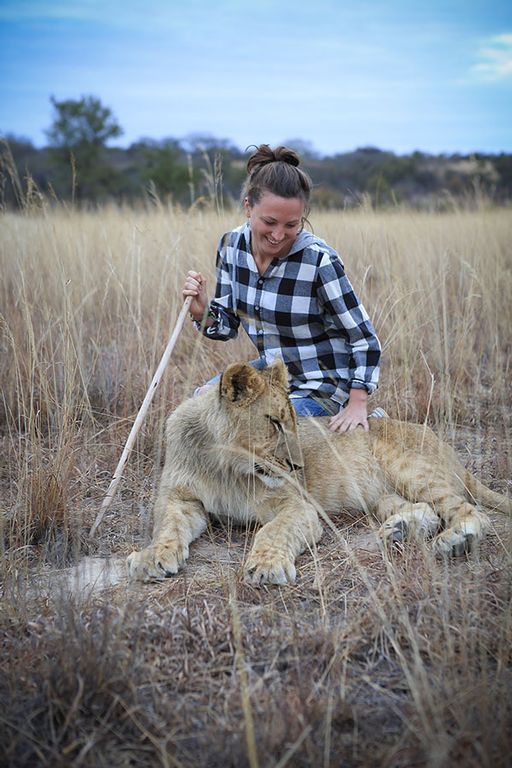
276, 171
264, 155
287, 155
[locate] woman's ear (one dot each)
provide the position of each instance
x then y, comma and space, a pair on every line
247, 207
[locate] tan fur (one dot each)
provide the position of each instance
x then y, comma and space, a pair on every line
239, 451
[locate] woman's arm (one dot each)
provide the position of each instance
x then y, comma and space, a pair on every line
344, 307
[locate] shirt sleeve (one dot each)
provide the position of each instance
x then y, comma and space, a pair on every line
221, 310
348, 316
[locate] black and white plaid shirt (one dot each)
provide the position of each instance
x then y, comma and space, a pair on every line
303, 309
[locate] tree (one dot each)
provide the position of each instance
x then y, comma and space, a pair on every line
166, 167
78, 136
85, 121
503, 165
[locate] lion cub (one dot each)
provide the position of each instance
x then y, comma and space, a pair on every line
239, 451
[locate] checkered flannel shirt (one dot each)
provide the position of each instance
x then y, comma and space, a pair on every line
303, 309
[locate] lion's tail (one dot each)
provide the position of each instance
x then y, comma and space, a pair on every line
490, 499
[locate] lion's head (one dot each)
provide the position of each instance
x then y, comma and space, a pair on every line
262, 421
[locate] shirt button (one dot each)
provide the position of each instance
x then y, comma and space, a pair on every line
260, 281
256, 309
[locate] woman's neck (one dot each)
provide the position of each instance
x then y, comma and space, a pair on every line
262, 263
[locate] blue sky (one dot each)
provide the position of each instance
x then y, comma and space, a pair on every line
340, 74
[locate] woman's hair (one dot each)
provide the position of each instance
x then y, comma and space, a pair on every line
276, 171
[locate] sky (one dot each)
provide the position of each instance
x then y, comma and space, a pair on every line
399, 75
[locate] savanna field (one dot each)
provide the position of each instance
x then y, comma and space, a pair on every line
374, 657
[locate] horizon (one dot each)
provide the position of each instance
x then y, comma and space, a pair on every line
315, 154
434, 79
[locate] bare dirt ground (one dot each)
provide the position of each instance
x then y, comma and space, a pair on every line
369, 659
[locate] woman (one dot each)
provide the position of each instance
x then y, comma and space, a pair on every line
289, 290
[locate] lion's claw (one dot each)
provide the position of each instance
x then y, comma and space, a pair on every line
155, 563
454, 542
399, 533
268, 570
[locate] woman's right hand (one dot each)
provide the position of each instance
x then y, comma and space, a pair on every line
195, 286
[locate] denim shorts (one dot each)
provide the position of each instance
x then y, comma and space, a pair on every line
304, 405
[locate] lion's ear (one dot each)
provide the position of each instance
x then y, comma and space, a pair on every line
241, 383
277, 372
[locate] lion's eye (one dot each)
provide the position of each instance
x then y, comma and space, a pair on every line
277, 424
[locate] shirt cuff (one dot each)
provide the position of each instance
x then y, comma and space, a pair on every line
357, 384
200, 325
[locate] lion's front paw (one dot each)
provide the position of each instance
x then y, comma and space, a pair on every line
156, 562
454, 542
269, 566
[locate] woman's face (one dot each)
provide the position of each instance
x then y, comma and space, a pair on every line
275, 223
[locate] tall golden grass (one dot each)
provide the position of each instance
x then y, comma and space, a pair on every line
370, 659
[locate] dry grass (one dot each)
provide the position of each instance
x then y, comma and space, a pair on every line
370, 659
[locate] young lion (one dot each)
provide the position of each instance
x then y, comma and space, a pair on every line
239, 451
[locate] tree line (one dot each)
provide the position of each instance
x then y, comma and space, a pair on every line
78, 165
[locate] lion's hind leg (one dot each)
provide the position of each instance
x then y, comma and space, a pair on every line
463, 523
179, 519
432, 477
402, 519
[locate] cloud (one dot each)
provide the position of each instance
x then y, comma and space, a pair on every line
495, 59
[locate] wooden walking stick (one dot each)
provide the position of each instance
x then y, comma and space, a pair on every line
140, 416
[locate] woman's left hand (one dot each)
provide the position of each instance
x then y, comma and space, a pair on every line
353, 415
